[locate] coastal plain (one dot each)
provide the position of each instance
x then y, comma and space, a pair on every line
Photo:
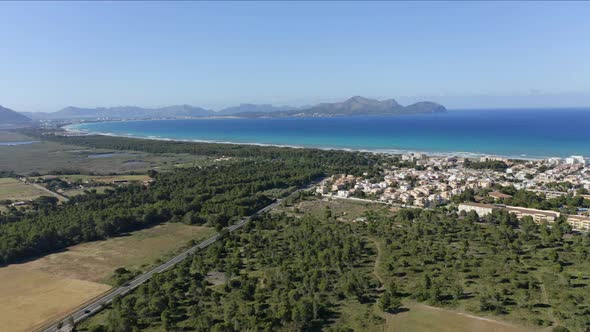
81, 272
46, 157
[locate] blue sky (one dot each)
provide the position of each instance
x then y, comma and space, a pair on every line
465, 55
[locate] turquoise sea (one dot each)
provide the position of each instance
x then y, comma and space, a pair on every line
529, 133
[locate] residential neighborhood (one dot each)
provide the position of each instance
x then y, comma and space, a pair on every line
431, 181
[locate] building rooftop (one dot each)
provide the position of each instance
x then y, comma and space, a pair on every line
481, 205
547, 213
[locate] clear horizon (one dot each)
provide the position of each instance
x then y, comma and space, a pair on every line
216, 55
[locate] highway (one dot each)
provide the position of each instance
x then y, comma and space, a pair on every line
97, 304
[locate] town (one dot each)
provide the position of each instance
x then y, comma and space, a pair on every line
480, 185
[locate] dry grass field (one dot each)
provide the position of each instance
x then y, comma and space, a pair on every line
11, 136
96, 261
343, 210
425, 318
40, 291
16, 190
106, 179
29, 299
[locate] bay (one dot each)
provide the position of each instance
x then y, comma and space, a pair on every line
528, 133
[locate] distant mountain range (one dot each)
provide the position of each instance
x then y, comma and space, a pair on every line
356, 106
10, 117
124, 112
353, 106
133, 112
254, 108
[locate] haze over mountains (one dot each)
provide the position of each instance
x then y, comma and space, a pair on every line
10, 117
254, 108
352, 106
123, 112
357, 106
134, 112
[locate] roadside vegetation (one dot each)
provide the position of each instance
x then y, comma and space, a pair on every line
291, 272
280, 274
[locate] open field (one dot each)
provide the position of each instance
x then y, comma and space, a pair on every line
37, 292
16, 190
11, 136
104, 179
343, 210
76, 192
96, 261
45, 157
420, 318
28, 298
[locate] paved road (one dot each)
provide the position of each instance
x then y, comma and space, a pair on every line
97, 304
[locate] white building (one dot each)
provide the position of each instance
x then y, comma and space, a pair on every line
480, 209
343, 193
579, 223
575, 160
322, 190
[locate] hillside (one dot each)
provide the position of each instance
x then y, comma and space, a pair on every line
356, 106
8, 116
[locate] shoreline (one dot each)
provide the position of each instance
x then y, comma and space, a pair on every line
461, 154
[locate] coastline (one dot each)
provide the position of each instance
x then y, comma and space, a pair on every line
461, 154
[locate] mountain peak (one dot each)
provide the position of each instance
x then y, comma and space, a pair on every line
357, 105
374, 102
359, 99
